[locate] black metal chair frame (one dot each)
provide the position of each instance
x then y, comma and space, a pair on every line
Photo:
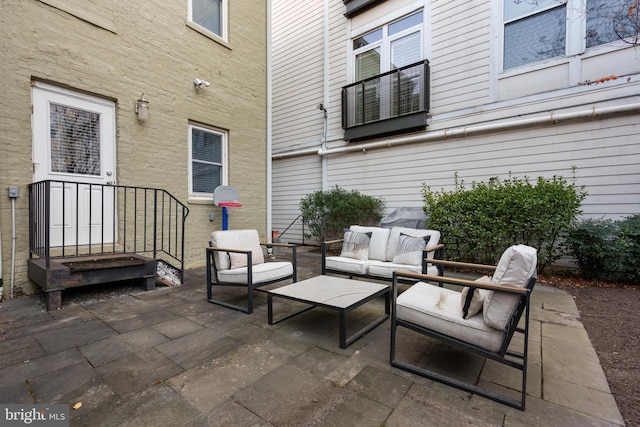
514, 359
212, 273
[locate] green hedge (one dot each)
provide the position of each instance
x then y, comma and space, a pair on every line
328, 213
604, 248
480, 222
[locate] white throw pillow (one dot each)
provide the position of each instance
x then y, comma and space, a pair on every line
356, 245
471, 302
240, 260
409, 249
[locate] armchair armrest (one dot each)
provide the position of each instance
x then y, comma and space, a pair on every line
463, 264
438, 254
330, 242
240, 251
281, 245
458, 282
323, 250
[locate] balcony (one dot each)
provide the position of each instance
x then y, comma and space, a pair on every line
391, 103
354, 7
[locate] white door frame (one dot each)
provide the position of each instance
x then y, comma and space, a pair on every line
67, 231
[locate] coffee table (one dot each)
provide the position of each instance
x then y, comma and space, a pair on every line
335, 293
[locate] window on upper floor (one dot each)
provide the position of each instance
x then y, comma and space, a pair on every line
390, 93
207, 160
389, 47
536, 30
209, 16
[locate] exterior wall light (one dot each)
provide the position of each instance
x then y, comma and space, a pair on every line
142, 109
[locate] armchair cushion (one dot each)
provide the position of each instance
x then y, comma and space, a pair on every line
240, 260
517, 264
356, 245
260, 273
235, 239
438, 309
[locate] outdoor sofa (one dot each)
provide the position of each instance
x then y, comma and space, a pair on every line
376, 252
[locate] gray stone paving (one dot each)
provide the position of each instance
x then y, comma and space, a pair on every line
168, 358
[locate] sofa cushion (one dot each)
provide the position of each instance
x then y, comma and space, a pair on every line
378, 242
409, 250
517, 264
471, 299
438, 309
385, 269
356, 245
394, 238
348, 265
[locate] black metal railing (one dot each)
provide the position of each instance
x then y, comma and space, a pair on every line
395, 94
68, 219
295, 221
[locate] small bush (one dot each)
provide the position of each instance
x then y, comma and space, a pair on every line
629, 248
328, 213
479, 223
603, 248
591, 244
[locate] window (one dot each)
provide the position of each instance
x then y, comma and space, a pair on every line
390, 90
389, 47
207, 160
210, 16
610, 20
535, 30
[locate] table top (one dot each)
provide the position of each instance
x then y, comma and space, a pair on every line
330, 291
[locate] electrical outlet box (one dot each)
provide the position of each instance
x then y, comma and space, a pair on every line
13, 192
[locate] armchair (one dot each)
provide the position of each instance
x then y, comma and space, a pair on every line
482, 319
235, 258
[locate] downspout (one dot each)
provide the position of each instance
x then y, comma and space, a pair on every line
13, 243
1, 285
325, 85
269, 119
432, 136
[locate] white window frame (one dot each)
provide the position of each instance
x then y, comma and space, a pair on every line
385, 43
575, 40
208, 197
224, 21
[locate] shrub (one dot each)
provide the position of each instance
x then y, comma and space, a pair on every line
591, 244
603, 248
629, 248
479, 223
328, 213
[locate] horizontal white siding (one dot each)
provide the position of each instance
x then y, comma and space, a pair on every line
298, 58
460, 58
605, 150
606, 154
293, 179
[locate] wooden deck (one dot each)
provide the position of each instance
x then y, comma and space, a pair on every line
72, 272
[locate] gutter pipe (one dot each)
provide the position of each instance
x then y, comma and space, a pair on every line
550, 118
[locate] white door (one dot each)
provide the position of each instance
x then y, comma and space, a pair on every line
74, 141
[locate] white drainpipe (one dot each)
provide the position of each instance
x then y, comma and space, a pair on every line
269, 129
1, 285
430, 136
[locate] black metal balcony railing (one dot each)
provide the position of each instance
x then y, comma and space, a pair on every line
393, 102
71, 219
